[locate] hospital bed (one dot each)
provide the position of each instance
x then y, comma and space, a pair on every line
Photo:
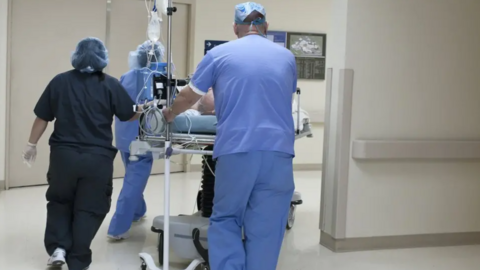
186, 235
196, 135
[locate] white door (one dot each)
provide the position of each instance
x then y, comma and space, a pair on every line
43, 35
129, 29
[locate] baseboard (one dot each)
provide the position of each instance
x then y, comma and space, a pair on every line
399, 242
307, 167
296, 167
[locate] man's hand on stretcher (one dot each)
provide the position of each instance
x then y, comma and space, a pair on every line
184, 101
168, 114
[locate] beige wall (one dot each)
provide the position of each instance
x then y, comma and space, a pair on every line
214, 21
3, 85
415, 79
416, 76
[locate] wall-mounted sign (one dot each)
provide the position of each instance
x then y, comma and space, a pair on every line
310, 51
278, 37
210, 44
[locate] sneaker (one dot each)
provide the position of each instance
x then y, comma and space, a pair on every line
118, 237
58, 257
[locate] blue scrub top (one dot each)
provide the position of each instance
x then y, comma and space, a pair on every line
253, 80
126, 132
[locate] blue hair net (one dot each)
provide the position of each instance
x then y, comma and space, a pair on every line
141, 57
90, 55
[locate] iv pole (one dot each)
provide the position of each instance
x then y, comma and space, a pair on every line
168, 144
147, 260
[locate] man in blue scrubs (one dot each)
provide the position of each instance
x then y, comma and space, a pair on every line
253, 81
131, 205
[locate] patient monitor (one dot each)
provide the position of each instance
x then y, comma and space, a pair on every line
145, 80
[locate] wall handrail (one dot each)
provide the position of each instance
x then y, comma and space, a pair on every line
415, 149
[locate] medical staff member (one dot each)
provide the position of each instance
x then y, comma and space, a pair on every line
131, 205
253, 83
82, 102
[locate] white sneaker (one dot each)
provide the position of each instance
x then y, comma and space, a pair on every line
119, 237
58, 257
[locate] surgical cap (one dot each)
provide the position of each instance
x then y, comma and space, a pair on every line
141, 57
90, 55
242, 11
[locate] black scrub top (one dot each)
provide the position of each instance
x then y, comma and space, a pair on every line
83, 106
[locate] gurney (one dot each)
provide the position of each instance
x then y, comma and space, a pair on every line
196, 135
186, 235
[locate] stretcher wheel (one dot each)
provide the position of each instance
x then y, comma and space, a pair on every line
160, 248
291, 217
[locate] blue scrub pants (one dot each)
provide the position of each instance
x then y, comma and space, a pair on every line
131, 205
253, 191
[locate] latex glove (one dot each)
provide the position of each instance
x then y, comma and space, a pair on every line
168, 114
29, 154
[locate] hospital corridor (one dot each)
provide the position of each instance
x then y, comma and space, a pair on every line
240, 135
21, 235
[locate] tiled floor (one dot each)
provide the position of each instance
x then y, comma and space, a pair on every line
22, 221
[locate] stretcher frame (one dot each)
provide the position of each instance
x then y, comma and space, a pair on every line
163, 147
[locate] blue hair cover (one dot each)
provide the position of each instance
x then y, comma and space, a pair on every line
140, 57
242, 11
90, 56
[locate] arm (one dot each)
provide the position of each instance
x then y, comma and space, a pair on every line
44, 114
38, 128
123, 105
202, 80
184, 101
140, 109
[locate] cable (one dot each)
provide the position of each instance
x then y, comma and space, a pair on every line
150, 114
148, 7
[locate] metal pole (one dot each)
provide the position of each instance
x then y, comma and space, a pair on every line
169, 61
166, 214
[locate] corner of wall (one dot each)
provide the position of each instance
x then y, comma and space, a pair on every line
4, 11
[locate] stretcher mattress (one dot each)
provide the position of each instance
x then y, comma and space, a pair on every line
207, 124
202, 124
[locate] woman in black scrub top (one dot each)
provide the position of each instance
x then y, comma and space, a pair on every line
82, 102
